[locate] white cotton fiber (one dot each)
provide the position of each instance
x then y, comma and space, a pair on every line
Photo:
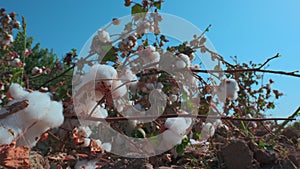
207, 131
126, 76
86, 142
54, 118
171, 138
17, 92
40, 115
33, 134
177, 125
39, 106
106, 147
106, 74
84, 131
7, 135
118, 89
228, 89
185, 58
103, 36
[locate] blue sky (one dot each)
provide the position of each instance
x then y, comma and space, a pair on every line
252, 30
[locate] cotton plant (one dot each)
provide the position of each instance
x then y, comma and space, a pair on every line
41, 115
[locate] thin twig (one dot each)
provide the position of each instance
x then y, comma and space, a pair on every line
230, 71
282, 125
164, 116
268, 60
249, 70
58, 76
11, 109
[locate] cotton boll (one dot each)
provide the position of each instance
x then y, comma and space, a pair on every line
208, 130
36, 70
100, 112
17, 92
39, 106
173, 98
195, 142
218, 123
84, 131
7, 135
120, 104
16, 62
177, 125
185, 58
86, 142
118, 89
86, 164
232, 88
149, 55
54, 118
154, 57
180, 64
105, 74
103, 36
228, 89
171, 138
33, 134
129, 76
106, 147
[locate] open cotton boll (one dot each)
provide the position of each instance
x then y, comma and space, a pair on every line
84, 131
208, 130
171, 138
33, 134
92, 164
228, 89
106, 146
180, 64
86, 142
185, 58
54, 118
218, 123
39, 106
17, 92
118, 89
127, 76
149, 55
105, 74
232, 88
177, 125
7, 134
103, 36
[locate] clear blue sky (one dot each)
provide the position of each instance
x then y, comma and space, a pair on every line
252, 30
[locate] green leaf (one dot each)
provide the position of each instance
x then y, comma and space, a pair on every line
261, 144
157, 4
111, 54
137, 8
269, 147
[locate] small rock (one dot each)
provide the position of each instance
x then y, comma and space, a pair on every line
264, 157
291, 134
237, 155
